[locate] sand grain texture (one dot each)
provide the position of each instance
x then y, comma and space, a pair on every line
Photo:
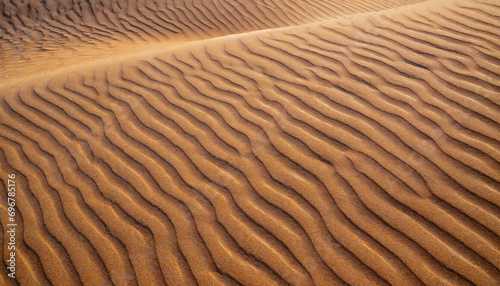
222, 143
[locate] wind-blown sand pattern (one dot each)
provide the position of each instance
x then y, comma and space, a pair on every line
41, 33
253, 143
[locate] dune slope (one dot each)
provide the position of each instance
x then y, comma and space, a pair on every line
363, 150
41, 35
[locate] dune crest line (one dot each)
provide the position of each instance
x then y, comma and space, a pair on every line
39, 36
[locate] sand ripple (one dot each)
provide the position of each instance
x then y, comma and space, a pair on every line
363, 150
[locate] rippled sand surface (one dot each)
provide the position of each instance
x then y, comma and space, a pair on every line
237, 142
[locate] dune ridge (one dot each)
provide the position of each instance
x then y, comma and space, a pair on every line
41, 35
361, 151
110, 20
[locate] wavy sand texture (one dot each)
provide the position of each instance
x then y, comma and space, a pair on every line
36, 35
361, 151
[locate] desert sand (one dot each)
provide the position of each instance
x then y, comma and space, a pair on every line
237, 142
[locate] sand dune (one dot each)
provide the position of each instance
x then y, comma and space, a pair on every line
262, 143
42, 35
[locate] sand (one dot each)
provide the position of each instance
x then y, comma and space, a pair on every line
235, 142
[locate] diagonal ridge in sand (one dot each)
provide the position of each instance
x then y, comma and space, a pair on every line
45, 35
363, 150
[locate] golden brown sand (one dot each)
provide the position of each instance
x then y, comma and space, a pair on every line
236, 142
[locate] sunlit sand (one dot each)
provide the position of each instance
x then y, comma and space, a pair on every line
234, 142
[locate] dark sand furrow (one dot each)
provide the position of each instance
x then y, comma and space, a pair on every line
194, 14
489, 149
298, 183
193, 23
433, 99
226, 22
122, 35
66, 30
187, 194
415, 224
140, 243
456, 258
183, 18
369, 229
289, 109
55, 32
453, 98
178, 110
234, 11
449, 28
116, 27
142, 187
343, 7
303, 101
269, 111
370, 132
49, 249
450, 99
239, 164
395, 241
482, 81
466, 231
449, 128
313, 9
473, 154
143, 33
316, 164
260, 16
295, 14
223, 113
29, 265
158, 229
208, 21
176, 214
121, 273
70, 221
389, 141
204, 134
276, 165
29, 261
147, 30
480, 18
472, 87
412, 199
171, 14
421, 43
221, 199
167, 24
270, 15
486, 6
144, 20
485, 80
